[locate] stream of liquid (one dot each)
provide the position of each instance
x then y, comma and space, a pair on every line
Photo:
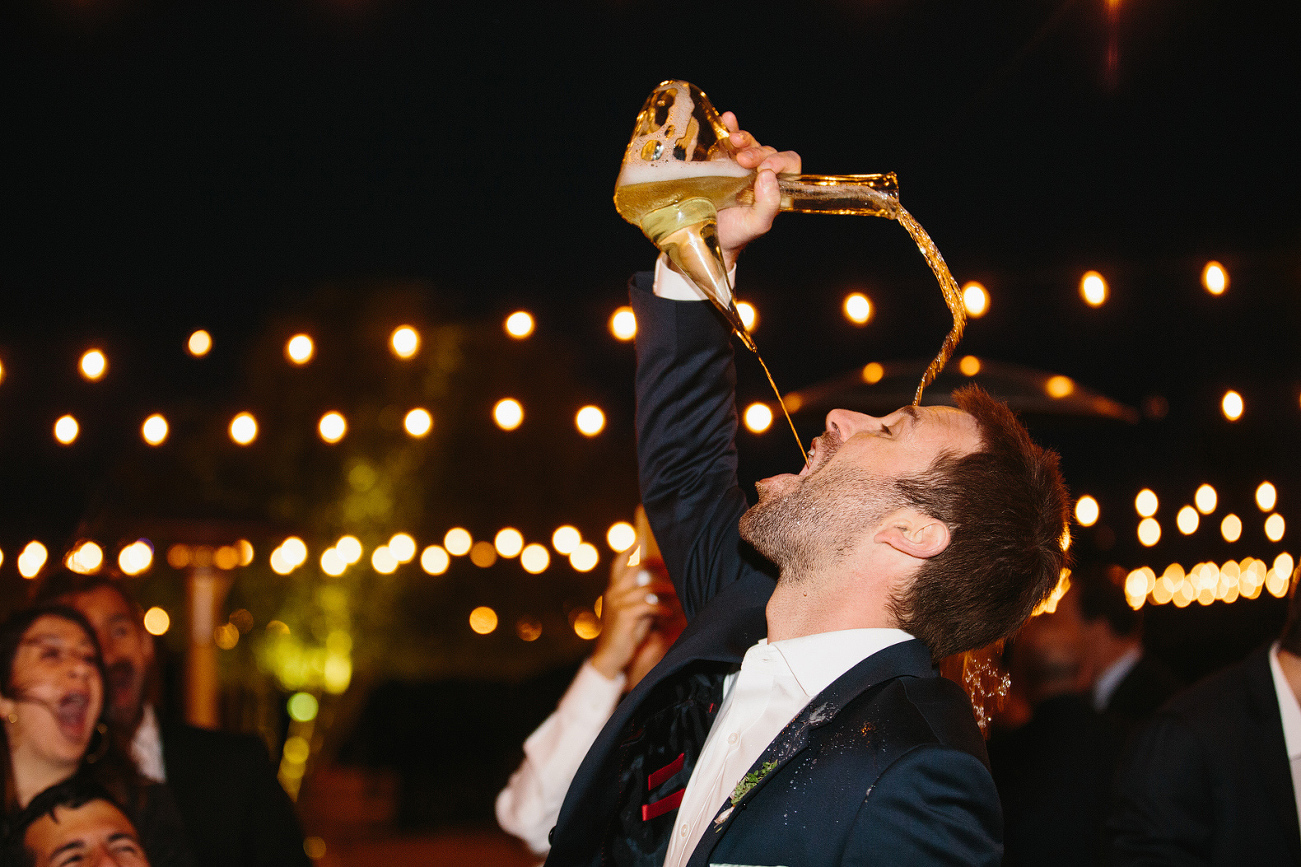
952, 298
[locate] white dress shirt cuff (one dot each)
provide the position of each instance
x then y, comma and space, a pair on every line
676, 287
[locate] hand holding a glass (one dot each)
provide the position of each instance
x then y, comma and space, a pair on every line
752, 216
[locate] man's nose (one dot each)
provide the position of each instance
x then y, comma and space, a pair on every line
845, 423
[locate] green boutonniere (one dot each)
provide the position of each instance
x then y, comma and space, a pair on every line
750, 780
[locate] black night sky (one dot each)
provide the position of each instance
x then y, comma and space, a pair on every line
217, 163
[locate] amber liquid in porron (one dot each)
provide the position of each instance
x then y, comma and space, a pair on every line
675, 203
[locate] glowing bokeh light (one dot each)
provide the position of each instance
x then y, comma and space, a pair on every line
1187, 520
93, 365
534, 559
1146, 503
136, 558
969, 365
528, 629
858, 308
1231, 528
457, 541
332, 427
225, 636
1149, 532
295, 551
1059, 386
590, 421
85, 558
975, 298
1275, 527
749, 315
623, 324
349, 548
1093, 289
32, 559
299, 349
418, 422
404, 341
585, 557
402, 547
199, 344
587, 625
508, 413
758, 417
303, 706
157, 621
435, 560
621, 536
483, 554
483, 620
1231, 405
243, 428
519, 324
1087, 511
66, 430
383, 561
333, 563
565, 539
872, 372
1266, 497
154, 430
1214, 278
1205, 499
509, 542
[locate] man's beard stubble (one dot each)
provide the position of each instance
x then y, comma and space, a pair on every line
820, 521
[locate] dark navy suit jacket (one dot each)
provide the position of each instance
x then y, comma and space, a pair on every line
1207, 780
234, 809
885, 766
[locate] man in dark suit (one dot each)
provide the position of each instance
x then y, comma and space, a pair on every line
1211, 778
1127, 684
907, 538
225, 787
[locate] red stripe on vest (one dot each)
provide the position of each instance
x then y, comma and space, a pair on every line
662, 806
665, 772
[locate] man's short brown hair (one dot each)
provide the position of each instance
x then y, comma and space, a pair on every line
1006, 509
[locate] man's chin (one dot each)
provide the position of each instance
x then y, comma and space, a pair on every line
775, 486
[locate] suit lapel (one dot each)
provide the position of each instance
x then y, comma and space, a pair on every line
908, 658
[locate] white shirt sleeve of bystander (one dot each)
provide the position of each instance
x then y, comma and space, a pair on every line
530, 803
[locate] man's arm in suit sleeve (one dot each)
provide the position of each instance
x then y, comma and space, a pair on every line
935, 805
686, 441
1161, 809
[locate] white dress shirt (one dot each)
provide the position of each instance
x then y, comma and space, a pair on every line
1290, 711
147, 747
774, 684
1105, 686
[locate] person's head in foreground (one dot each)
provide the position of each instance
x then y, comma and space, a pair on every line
946, 522
51, 699
127, 648
75, 824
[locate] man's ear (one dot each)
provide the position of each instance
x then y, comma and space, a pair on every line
914, 533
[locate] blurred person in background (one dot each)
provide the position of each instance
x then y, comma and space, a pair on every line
75, 822
1054, 771
55, 726
1126, 683
640, 618
1213, 778
234, 809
